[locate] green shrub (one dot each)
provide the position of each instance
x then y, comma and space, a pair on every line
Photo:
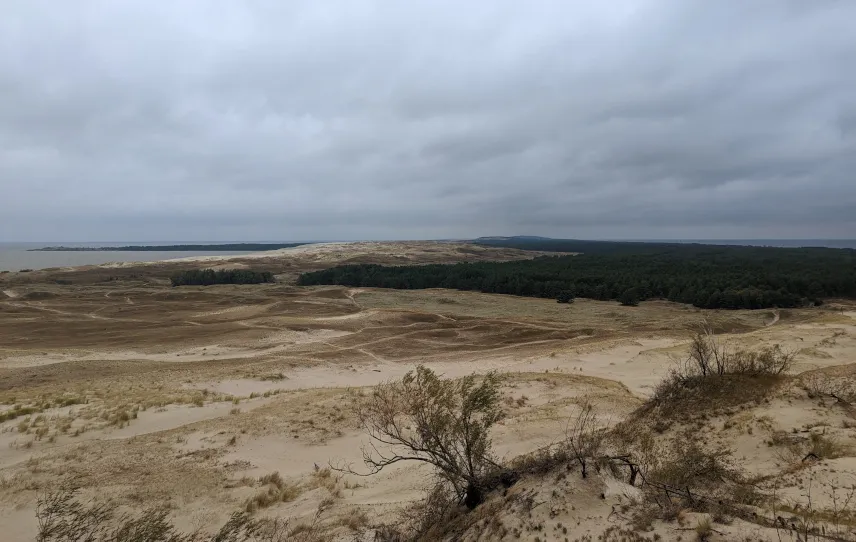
445, 423
565, 296
629, 298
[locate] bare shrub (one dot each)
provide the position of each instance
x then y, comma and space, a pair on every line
792, 449
690, 465
707, 355
811, 522
425, 520
842, 511
690, 477
583, 437
639, 448
821, 446
788, 448
444, 423
819, 384
625, 449
767, 361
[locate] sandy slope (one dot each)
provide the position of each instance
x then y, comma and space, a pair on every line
328, 254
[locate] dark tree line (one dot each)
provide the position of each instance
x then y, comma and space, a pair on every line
545, 244
207, 277
707, 276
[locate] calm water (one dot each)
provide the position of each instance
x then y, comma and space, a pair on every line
14, 256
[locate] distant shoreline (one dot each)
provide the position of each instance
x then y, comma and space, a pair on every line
230, 247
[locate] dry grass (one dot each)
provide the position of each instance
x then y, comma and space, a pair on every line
275, 490
704, 530
62, 518
355, 520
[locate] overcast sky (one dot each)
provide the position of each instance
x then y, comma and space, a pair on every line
310, 120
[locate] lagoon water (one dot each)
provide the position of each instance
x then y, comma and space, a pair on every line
16, 256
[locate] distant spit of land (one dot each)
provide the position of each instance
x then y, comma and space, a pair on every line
230, 247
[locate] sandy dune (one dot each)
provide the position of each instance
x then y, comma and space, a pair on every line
186, 396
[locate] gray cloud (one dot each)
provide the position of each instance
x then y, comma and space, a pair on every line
312, 120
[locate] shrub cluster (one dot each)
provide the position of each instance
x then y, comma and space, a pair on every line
715, 373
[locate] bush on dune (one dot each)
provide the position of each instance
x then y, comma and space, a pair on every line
443, 423
713, 374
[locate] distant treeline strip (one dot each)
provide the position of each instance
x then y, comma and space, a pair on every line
545, 244
233, 247
707, 276
207, 277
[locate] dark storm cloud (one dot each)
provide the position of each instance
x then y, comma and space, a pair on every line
315, 120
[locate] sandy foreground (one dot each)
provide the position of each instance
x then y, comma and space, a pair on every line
148, 395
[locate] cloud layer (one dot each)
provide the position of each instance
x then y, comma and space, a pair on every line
269, 120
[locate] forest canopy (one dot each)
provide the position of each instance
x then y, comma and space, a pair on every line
207, 277
707, 276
